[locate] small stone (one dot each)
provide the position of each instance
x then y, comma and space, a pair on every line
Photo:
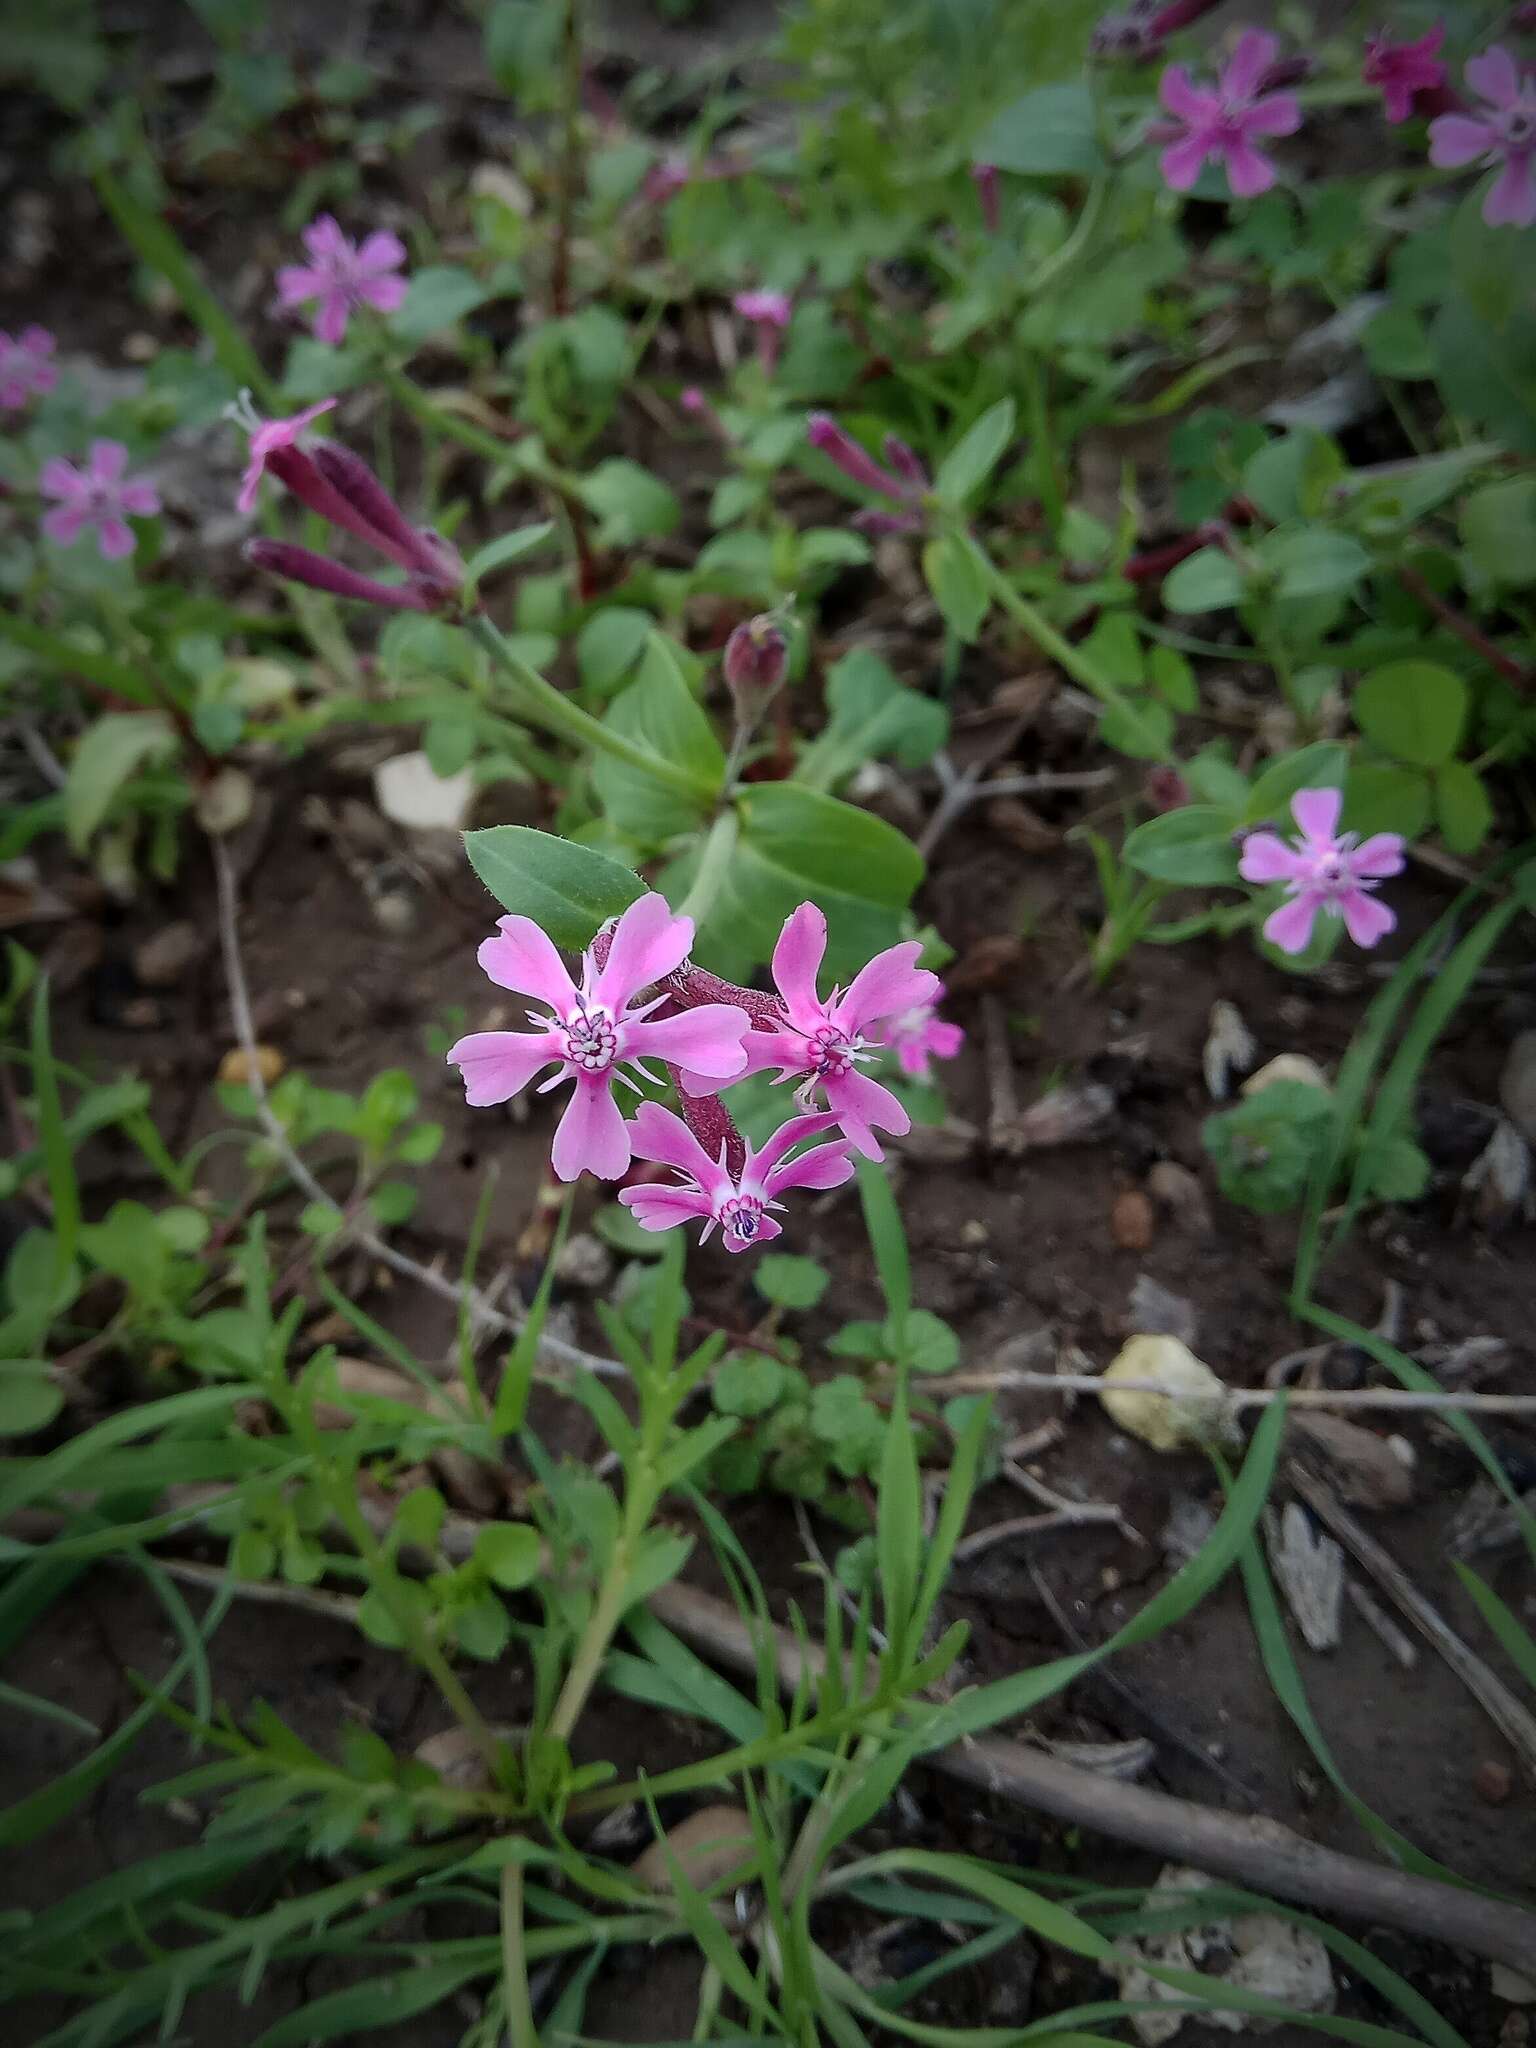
235, 1068
140, 347
1287, 1066
1189, 1406
1229, 1047
1514, 2033
410, 793
225, 801
1132, 1220
1493, 1782
974, 1232
163, 958
1176, 1189
585, 1262
708, 1846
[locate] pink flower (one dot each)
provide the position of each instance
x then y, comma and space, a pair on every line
1221, 124
593, 1033
25, 371
1324, 872
1502, 131
919, 1035
904, 483
738, 1205
268, 440
769, 313
99, 495
1403, 69
343, 276
823, 1043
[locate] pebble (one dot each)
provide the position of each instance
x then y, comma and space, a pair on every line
1493, 1782
1176, 1189
163, 958
585, 1262
235, 1069
1132, 1220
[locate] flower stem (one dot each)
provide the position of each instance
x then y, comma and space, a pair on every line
545, 706
1060, 649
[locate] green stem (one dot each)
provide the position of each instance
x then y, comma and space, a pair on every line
521, 2030
714, 864
543, 704
1045, 636
1038, 412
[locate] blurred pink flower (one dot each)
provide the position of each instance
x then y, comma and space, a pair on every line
268, 439
1503, 131
904, 483
1403, 69
769, 313
1223, 123
25, 371
99, 495
737, 1205
823, 1044
920, 1035
1325, 871
592, 1033
343, 276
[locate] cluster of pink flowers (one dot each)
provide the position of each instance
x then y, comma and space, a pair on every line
1225, 121
638, 998
1325, 872
340, 486
26, 368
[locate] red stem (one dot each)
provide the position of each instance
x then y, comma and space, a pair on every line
1468, 634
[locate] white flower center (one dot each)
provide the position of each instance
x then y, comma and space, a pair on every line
741, 1218
831, 1053
591, 1041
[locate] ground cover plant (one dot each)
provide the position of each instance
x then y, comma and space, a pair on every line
766, 776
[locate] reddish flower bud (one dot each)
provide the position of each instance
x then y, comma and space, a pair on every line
984, 178
303, 565
756, 657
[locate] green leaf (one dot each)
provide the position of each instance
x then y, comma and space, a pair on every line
509, 1553
1379, 796
1312, 561
1050, 132
657, 711
436, 297
975, 455
957, 586
1209, 581
1413, 710
570, 890
790, 1281
1138, 726
927, 1343
1397, 344
508, 547
748, 1385
522, 41
631, 504
1191, 846
1498, 531
29, 1399
1463, 807
108, 754
609, 645
796, 843
1319, 766
871, 716
1513, 1640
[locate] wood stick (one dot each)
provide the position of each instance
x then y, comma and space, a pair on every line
1514, 1721
1255, 1852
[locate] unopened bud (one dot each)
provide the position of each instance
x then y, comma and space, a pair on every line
756, 657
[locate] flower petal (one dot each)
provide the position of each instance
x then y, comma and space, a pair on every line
797, 959
706, 1040
658, 1134
142, 500
1366, 918
591, 1136
764, 1162
1249, 171
885, 986
662, 1208
785, 1050
648, 942
380, 251
60, 479
1256, 50
1512, 202
1457, 139
1495, 76
297, 283
1268, 859
823, 1166
862, 1106
1378, 856
1316, 811
331, 320
108, 461
114, 538
522, 957
1290, 927
1182, 162
384, 294
63, 523
1278, 113
1180, 95
496, 1065
763, 1229
324, 240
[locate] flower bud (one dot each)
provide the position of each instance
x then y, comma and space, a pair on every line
756, 658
